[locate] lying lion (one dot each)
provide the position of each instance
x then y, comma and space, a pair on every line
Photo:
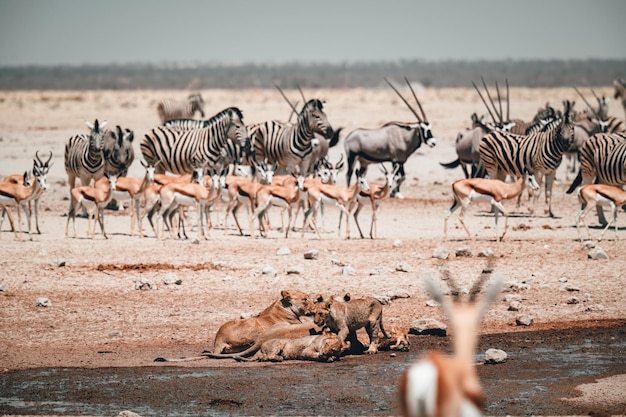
325, 347
244, 336
399, 341
238, 335
345, 318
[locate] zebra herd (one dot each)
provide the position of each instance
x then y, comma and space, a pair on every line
495, 148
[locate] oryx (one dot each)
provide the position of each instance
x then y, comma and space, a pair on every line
394, 141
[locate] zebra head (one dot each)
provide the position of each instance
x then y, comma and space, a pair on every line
197, 103
237, 131
313, 114
118, 149
566, 128
96, 135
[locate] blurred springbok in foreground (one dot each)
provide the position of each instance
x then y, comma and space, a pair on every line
442, 385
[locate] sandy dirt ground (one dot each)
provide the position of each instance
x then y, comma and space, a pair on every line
91, 283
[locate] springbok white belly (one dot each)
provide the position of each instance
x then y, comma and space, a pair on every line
184, 200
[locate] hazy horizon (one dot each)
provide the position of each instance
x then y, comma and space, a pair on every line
274, 32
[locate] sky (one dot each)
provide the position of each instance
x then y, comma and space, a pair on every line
76, 32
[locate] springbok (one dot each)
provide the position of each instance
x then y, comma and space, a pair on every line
175, 196
342, 197
132, 189
442, 385
43, 168
374, 196
592, 195
243, 191
467, 190
94, 199
12, 194
394, 141
286, 197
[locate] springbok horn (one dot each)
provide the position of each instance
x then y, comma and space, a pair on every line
49, 158
484, 102
403, 99
416, 100
383, 169
39, 162
285, 97
587, 103
340, 161
491, 100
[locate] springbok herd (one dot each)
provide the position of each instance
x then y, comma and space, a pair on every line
220, 165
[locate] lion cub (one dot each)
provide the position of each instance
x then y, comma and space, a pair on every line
346, 317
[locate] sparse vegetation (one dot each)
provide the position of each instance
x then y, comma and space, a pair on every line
537, 73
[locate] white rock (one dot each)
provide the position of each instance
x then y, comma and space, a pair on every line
43, 302
494, 356
283, 250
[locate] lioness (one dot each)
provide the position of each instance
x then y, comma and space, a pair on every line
325, 347
239, 334
345, 318
277, 331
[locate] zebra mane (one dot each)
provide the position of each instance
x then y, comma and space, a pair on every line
315, 103
234, 110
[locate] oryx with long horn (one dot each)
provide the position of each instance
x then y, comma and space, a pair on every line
394, 142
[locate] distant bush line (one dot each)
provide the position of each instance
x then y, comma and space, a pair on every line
557, 73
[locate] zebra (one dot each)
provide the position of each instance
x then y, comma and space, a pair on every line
394, 141
176, 149
288, 145
118, 155
84, 156
466, 146
232, 153
620, 91
503, 153
169, 109
602, 160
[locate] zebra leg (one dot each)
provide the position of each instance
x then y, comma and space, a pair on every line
548, 191
402, 176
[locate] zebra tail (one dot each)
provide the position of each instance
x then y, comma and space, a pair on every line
576, 183
451, 165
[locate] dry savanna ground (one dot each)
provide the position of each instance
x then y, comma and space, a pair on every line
91, 283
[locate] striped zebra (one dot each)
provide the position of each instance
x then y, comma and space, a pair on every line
84, 156
503, 153
232, 153
291, 145
169, 109
118, 151
176, 149
602, 160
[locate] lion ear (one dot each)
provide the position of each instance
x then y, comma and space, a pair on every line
285, 294
319, 298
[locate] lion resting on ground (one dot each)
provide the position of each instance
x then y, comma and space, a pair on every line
325, 347
398, 341
237, 335
277, 331
345, 318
